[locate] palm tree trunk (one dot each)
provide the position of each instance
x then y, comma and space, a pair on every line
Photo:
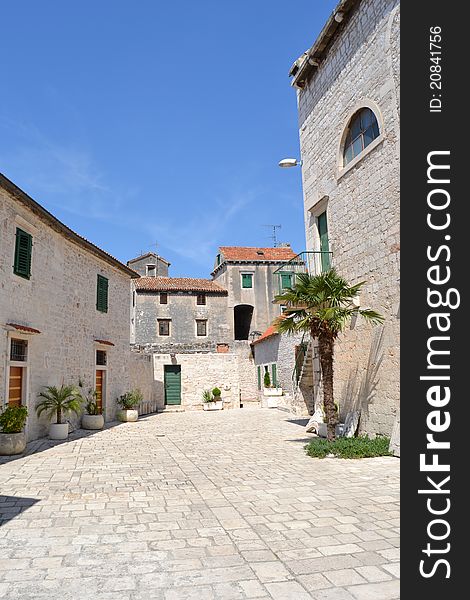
59, 415
326, 352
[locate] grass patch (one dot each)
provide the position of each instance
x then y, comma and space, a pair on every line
356, 447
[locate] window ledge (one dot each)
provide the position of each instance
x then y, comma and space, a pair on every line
357, 159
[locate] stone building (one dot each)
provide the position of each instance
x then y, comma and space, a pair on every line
178, 313
64, 309
282, 356
149, 265
348, 101
248, 276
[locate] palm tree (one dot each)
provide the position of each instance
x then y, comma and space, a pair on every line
322, 305
60, 401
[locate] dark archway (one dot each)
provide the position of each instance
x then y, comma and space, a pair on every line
242, 315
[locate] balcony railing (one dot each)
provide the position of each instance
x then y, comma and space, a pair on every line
312, 262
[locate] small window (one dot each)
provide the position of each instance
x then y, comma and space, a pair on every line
101, 358
163, 326
19, 350
201, 327
102, 294
151, 270
201, 299
218, 259
133, 299
247, 280
23, 253
163, 298
362, 130
286, 281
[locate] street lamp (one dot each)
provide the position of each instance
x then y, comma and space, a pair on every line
286, 163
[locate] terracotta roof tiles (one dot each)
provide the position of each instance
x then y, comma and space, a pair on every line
178, 284
239, 253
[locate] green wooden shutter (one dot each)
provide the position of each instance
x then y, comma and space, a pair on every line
324, 242
102, 294
23, 252
247, 280
274, 377
286, 281
259, 378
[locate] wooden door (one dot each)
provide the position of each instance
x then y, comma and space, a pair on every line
172, 384
15, 387
99, 389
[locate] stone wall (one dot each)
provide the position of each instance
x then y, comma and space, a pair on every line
59, 300
260, 296
280, 350
200, 372
141, 377
361, 200
183, 311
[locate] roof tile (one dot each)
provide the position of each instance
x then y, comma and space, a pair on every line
257, 254
178, 284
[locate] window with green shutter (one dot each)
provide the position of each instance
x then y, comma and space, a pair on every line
247, 280
274, 377
102, 294
23, 252
286, 281
259, 378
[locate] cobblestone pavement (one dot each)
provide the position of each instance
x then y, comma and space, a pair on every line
201, 506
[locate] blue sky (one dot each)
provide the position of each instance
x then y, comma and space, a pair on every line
150, 121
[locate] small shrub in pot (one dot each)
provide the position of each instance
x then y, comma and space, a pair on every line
59, 402
129, 403
12, 436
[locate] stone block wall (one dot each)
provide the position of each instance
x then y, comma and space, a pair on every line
59, 300
362, 201
200, 372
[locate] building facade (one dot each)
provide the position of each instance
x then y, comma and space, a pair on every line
248, 276
175, 312
64, 310
348, 100
282, 356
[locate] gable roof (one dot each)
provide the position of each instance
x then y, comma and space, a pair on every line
178, 284
44, 215
148, 255
270, 331
252, 254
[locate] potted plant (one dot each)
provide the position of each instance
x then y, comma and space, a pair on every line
212, 399
92, 419
12, 436
128, 403
59, 402
271, 392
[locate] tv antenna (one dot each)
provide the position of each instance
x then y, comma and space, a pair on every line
273, 236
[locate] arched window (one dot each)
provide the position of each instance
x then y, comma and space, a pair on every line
362, 130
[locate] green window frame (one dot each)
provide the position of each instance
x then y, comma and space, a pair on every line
23, 254
247, 280
102, 294
274, 375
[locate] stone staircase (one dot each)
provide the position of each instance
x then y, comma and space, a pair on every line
305, 381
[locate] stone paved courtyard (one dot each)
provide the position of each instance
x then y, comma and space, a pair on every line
197, 506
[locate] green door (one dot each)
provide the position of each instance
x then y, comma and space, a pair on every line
172, 384
324, 244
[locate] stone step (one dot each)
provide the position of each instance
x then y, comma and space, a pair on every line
171, 409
